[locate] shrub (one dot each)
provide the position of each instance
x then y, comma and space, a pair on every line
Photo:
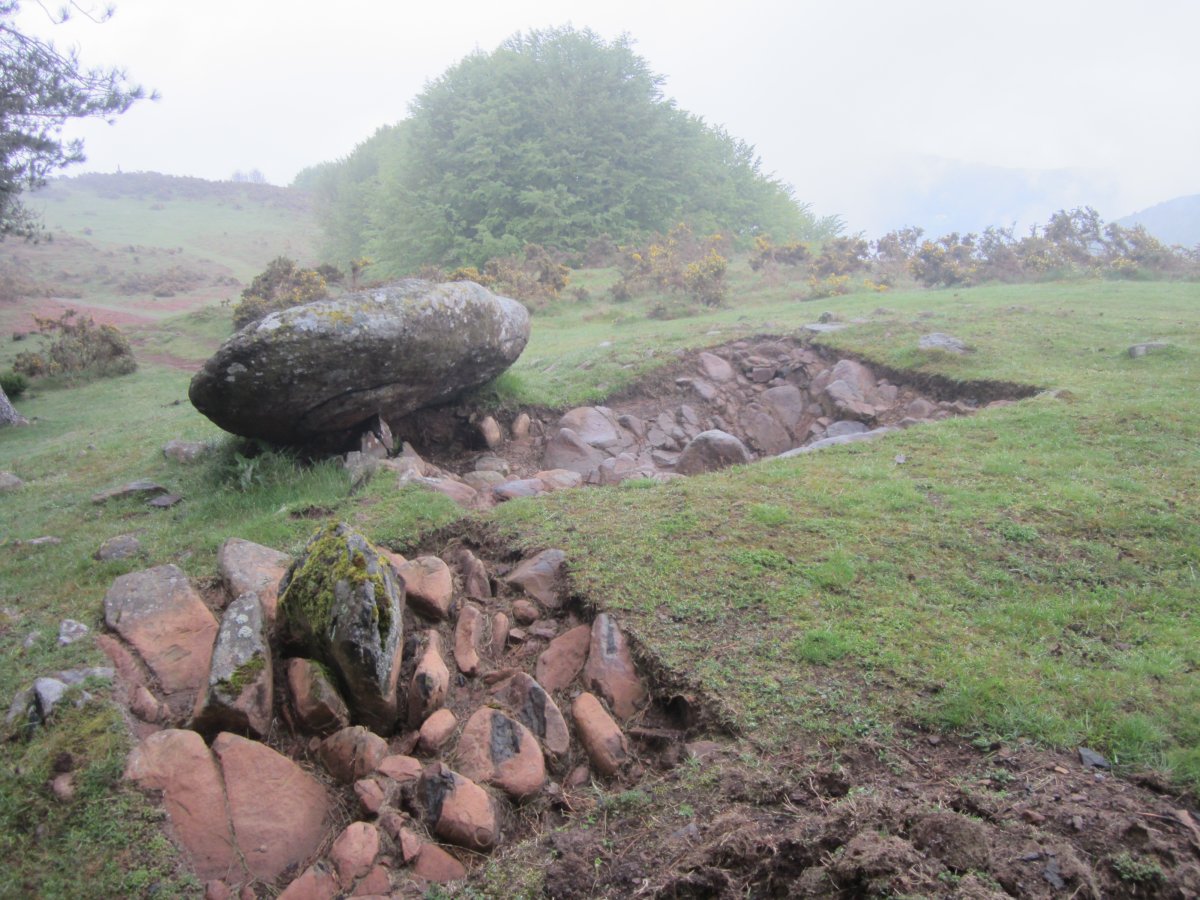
767, 254
281, 285
678, 262
705, 279
77, 347
14, 384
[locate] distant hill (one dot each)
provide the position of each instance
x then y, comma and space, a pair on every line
140, 247
1173, 221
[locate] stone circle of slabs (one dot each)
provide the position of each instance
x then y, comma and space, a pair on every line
422, 811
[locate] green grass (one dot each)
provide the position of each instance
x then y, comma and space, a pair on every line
1031, 570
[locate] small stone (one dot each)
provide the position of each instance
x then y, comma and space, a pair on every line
525, 613
558, 479
371, 795
467, 633
564, 658
1090, 758
69, 631
316, 883
436, 731
475, 582
711, 450
603, 740
63, 787
714, 368
610, 671
543, 631
9, 482
578, 777
145, 705
165, 501
540, 577
352, 753
430, 682
500, 751
122, 546
489, 430
516, 635
353, 852
408, 842
217, 890
1139, 350
520, 427
518, 489
939, 341
492, 463
429, 585
376, 883
458, 810
184, 451
499, 633
132, 489
436, 865
318, 705
400, 767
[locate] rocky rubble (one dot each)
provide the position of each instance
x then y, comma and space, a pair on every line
307, 786
747, 401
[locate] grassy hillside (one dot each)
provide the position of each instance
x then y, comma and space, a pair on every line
134, 249
1030, 571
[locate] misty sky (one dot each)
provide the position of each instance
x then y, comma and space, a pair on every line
861, 106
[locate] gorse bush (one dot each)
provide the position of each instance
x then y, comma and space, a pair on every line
678, 262
78, 347
14, 384
281, 285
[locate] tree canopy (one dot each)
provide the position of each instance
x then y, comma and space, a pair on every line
555, 138
41, 89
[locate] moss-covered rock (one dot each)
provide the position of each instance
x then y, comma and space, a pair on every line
315, 373
340, 604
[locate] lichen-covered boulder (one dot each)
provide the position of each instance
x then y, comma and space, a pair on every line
340, 604
317, 373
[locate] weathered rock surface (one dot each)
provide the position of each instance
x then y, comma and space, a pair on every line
184, 451
316, 883
539, 577
352, 753
121, 546
340, 603
711, 450
246, 566
458, 810
428, 586
467, 634
163, 618
9, 482
354, 851
940, 341
475, 582
284, 832
131, 489
536, 710
239, 694
603, 740
500, 751
321, 370
319, 707
610, 671
436, 731
564, 658
430, 682
178, 764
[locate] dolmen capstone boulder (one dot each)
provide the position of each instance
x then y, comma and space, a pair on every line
317, 373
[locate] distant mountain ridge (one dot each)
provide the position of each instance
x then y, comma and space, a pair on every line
1172, 221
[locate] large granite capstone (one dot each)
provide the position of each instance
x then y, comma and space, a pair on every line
318, 372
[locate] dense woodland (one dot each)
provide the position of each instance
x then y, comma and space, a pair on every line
555, 138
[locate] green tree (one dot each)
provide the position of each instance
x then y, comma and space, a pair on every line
41, 89
554, 138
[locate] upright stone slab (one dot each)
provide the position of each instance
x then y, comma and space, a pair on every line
340, 604
240, 686
246, 566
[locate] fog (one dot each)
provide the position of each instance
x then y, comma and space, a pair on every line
924, 112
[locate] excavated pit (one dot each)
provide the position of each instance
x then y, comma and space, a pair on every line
774, 395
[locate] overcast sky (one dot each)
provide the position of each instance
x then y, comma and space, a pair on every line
853, 103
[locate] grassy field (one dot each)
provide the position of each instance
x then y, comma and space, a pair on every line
1029, 571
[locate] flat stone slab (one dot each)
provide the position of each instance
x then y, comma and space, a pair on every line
132, 489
